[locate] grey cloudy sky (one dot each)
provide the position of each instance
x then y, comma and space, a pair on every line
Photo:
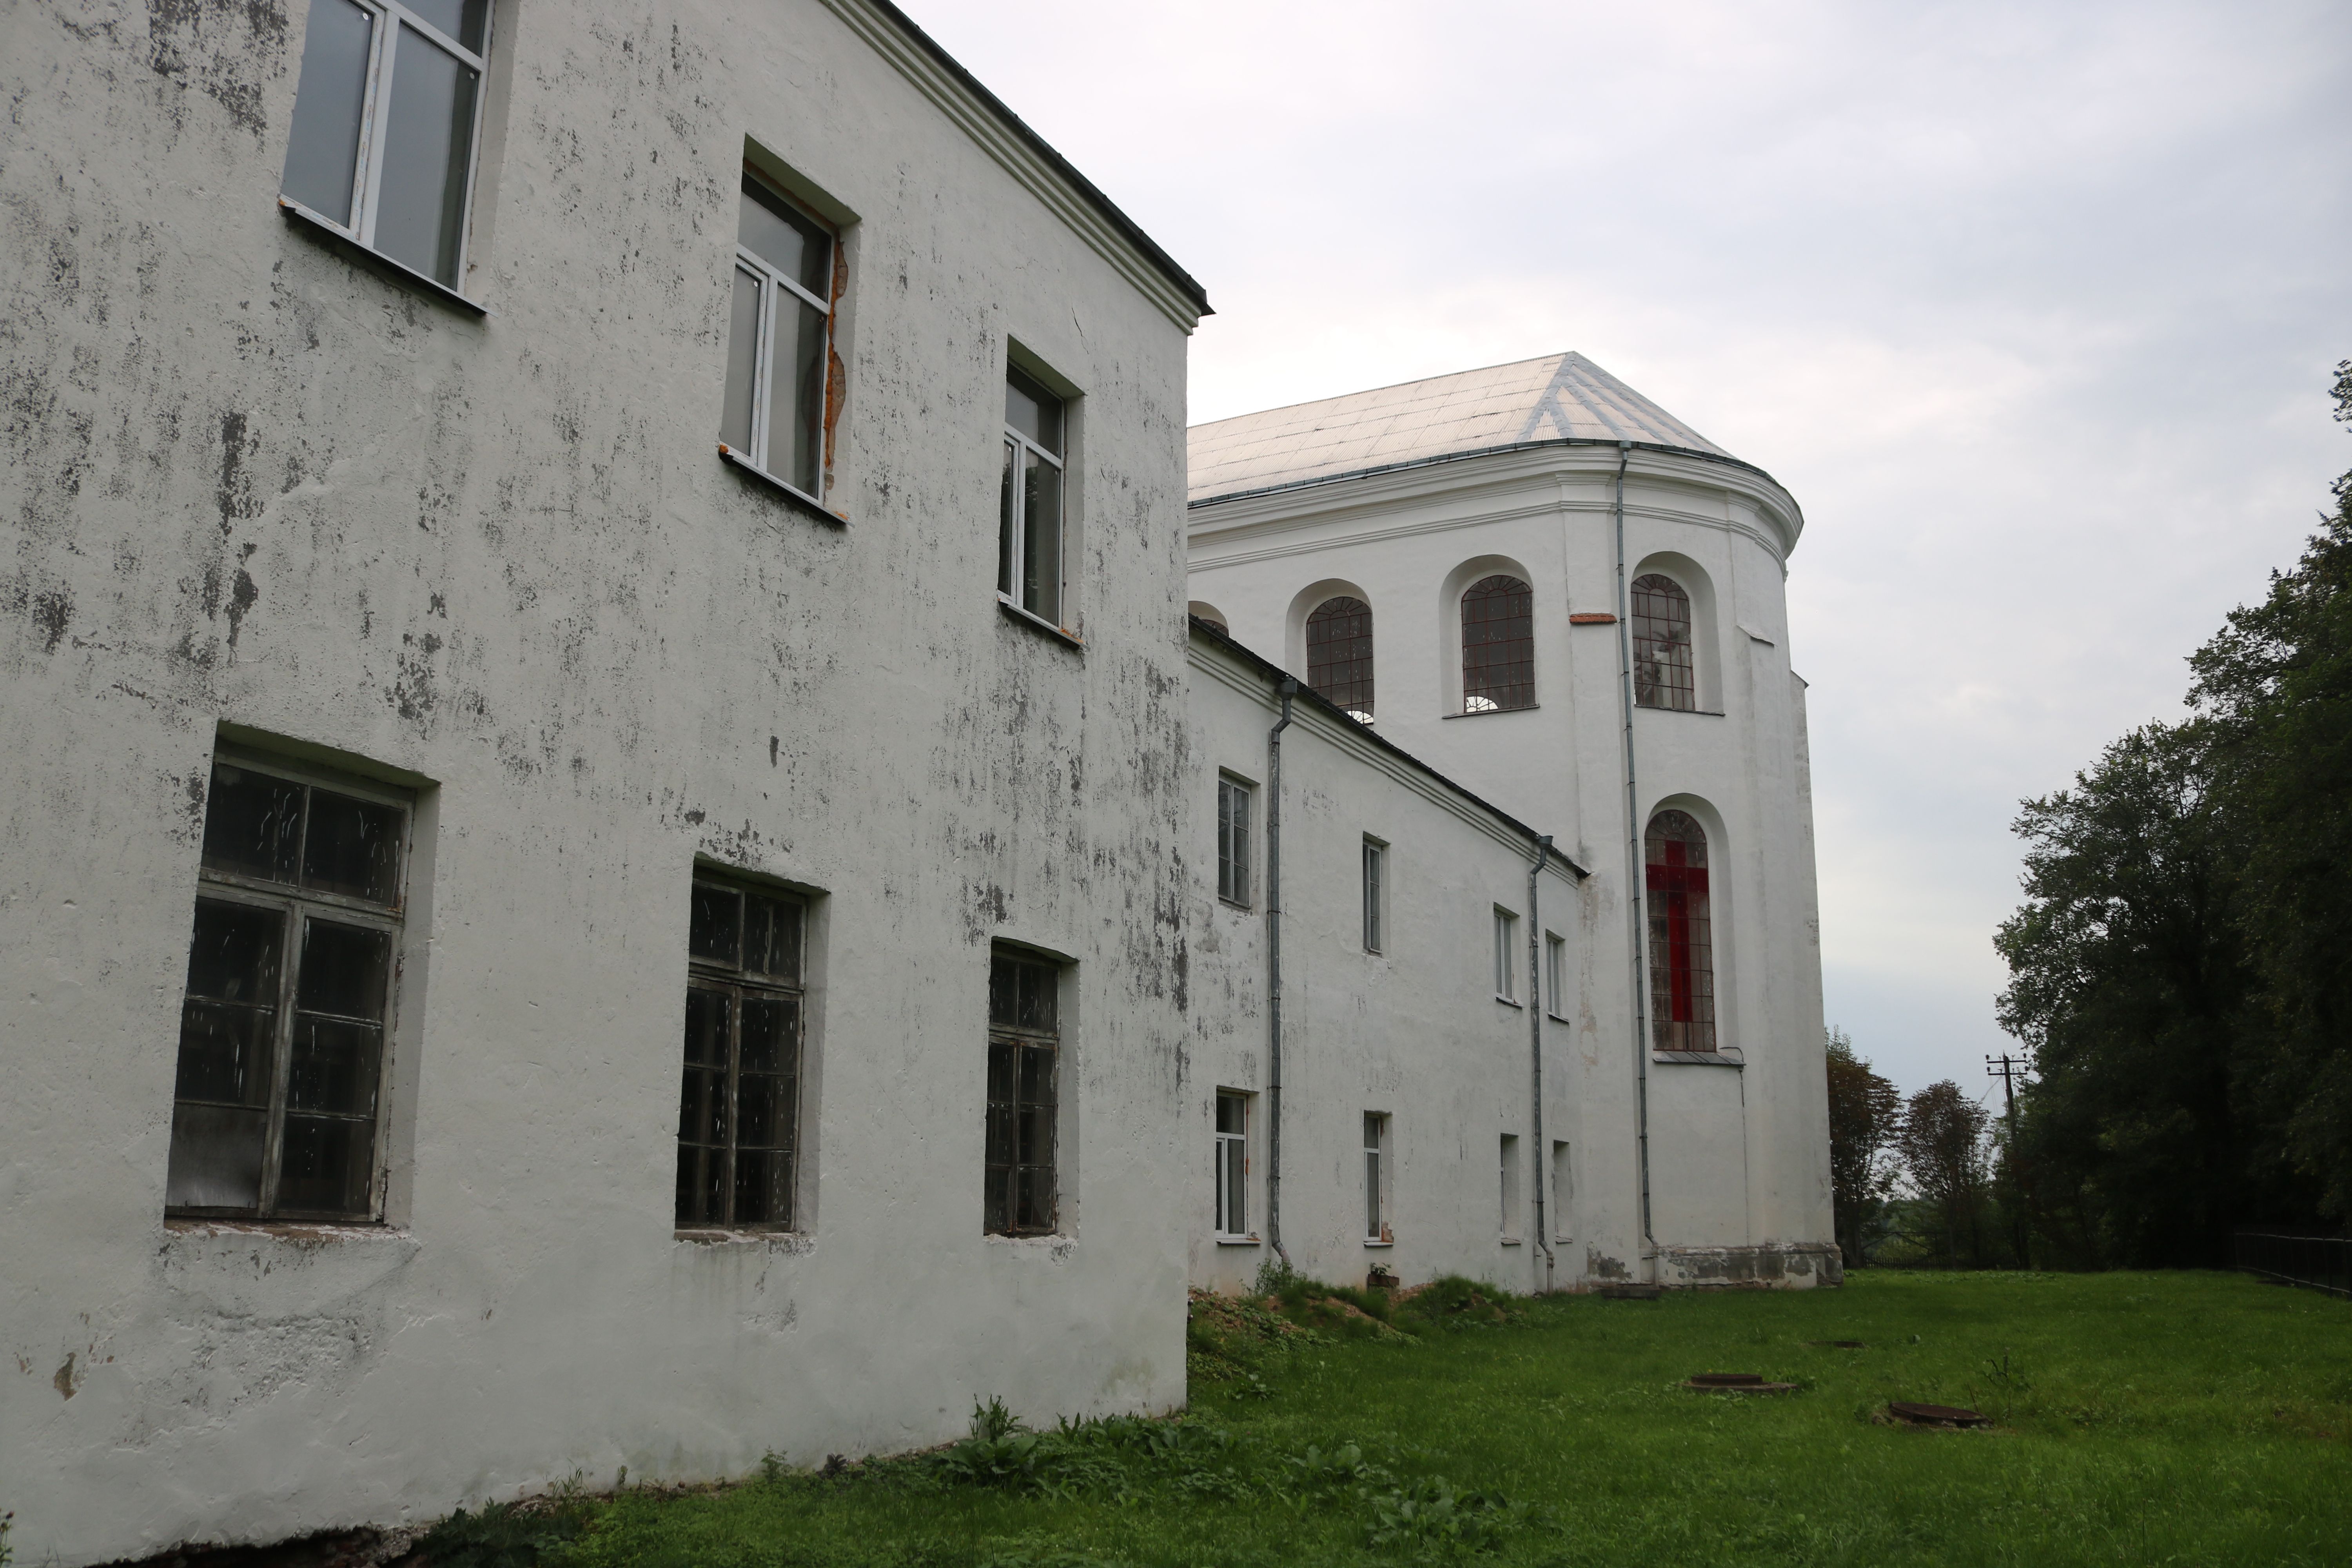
2033, 308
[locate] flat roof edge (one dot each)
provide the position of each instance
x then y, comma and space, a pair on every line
1508, 447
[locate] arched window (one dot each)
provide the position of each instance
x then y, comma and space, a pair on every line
1682, 948
1498, 645
1340, 654
1200, 609
1661, 644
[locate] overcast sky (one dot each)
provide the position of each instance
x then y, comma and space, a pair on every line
2032, 307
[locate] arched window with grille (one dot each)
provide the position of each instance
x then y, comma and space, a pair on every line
1498, 645
1340, 654
1682, 945
1661, 644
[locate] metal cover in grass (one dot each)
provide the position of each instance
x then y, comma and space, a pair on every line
1736, 1383
1937, 1415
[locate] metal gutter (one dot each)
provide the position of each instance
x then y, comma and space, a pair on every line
1288, 689
1635, 875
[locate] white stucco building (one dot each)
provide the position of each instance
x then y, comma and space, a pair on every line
619, 852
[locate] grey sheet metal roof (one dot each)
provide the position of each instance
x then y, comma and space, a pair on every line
1560, 396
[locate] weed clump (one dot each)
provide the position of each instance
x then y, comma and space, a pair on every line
502, 1535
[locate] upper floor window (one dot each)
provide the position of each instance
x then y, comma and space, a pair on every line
739, 1104
1498, 645
1340, 654
779, 340
1682, 946
1556, 973
1507, 930
1376, 870
1233, 841
385, 120
289, 993
1025, 1036
1232, 1162
1029, 531
1662, 644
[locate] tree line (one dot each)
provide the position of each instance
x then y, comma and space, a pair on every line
2180, 976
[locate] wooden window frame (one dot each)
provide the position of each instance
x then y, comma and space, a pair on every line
1025, 1055
740, 986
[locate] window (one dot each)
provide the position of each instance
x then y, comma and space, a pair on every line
1556, 973
1661, 644
1340, 654
386, 119
1024, 1046
1029, 536
1375, 867
1233, 1164
1682, 961
1507, 925
778, 341
1563, 1191
1498, 645
1376, 1211
1233, 841
1510, 1186
290, 971
739, 1102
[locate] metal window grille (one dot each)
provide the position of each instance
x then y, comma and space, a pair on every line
1681, 958
1661, 644
779, 340
1233, 1164
1505, 971
1340, 654
1029, 526
291, 971
386, 117
1498, 645
738, 1100
1376, 1137
1232, 841
1375, 869
1023, 1051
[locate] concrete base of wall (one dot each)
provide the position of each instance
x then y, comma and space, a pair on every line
1800, 1267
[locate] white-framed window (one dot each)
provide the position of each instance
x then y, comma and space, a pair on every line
1563, 1191
1510, 1186
293, 965
387, 119
1233, 1164
1556, 974
1029, 528
779, 340
740, 1103
1507, 925
1376, 857
1376, 1178
1233, 841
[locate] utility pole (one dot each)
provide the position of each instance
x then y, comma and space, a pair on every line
2008, 1068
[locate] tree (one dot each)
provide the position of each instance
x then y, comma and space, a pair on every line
1942, 1145
1865, 1111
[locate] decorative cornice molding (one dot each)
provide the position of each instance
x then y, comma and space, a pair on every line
1025, 155
1210, 554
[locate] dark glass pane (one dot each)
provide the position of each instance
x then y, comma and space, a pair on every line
1041, 538
1037, 1075
1032, 1199
1340, 653
702, 1106
796, 395
224, 1053
773, 940
755, 1187
1033, 1132
1007, 520
420, 218
344, 969
233, 956
462, 20
779, 234
701, 1195
1004, 989
253, 824
1038, 985
215, 1157
326, 1167
1497, 646
333, 1067
715, 927
1003, 1140
742, 363
770, 1034
352, 848
1229, 1113
323, 146
996, 1205
760, 1113
1003, 1073
705, 1027
1033, 411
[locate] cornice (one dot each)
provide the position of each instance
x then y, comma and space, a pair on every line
1025, 155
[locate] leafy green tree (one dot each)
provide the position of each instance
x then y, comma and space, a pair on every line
1865, 1111
1943, 1148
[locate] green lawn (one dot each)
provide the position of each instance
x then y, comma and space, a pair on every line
2177, 1419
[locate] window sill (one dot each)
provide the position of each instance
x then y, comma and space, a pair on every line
1239, 1241
1515, 1241
1558, 1017
798, 499
321, 228
1040, 624
1378, 1245
1238, 908
1699, 1058
1510, 1001
304, 1231
715, 1236
1491, 712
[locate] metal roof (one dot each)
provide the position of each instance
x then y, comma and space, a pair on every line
1558, 397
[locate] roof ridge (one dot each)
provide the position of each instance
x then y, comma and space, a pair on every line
1392, 386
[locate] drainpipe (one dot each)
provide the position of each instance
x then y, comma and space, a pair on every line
1289, 689
1635, 878
1541, 1164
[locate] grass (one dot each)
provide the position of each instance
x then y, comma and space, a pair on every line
2177, 1418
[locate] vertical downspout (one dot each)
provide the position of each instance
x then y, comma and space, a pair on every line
1541, 1164
1288, 688
1634, 883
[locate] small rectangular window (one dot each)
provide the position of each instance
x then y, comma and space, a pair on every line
385, 120
290, 996
1507, 925
739, 1104
1510, 1186
1556, 973
1376, 1176
1025, 1036
1233, 1164
1233, 841
1375, 866
1562, 1190
1029, 526
779, 340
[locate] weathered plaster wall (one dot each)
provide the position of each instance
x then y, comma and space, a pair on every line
246, 481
